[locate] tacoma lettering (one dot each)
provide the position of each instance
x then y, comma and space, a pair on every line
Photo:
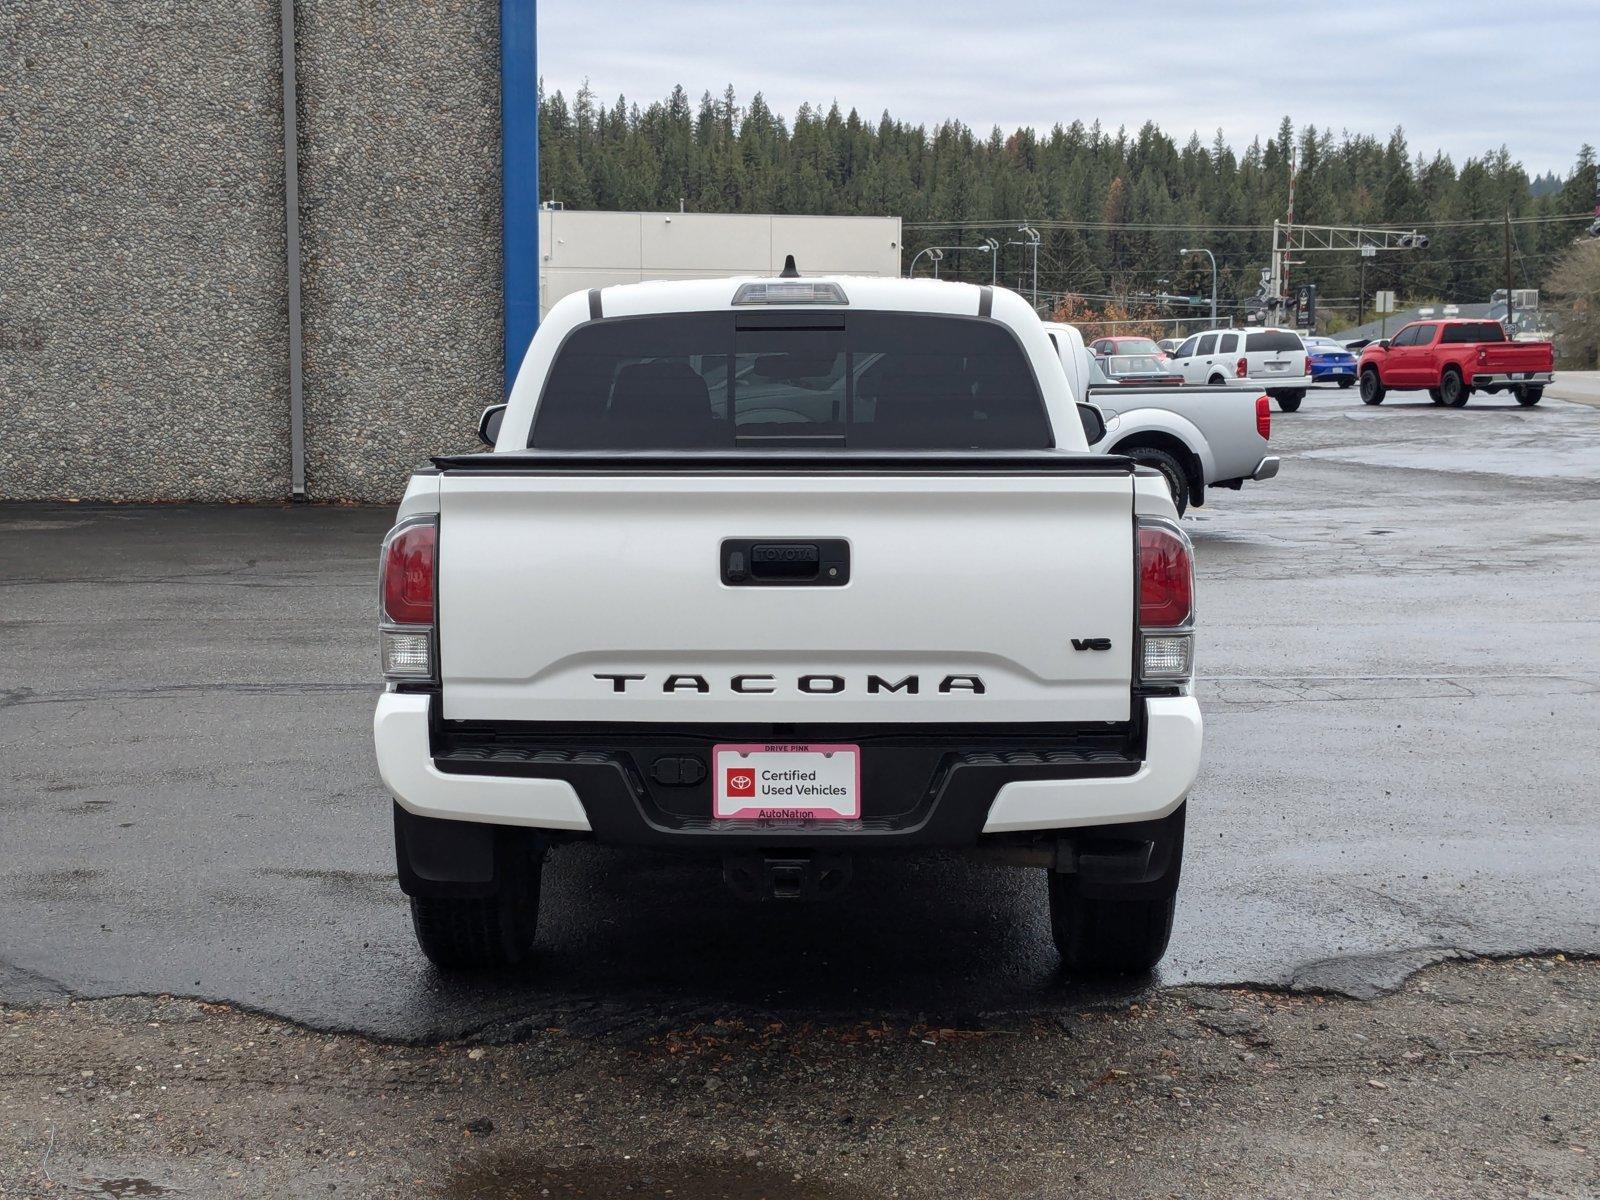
809, 685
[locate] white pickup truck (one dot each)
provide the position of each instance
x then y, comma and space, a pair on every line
1198, 437
787, 572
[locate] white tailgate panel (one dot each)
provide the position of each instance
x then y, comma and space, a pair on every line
546, 581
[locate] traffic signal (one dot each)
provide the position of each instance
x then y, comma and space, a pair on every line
1412, 241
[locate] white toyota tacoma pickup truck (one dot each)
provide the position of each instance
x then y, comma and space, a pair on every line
788, 572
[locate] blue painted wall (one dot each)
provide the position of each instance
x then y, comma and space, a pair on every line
519, 161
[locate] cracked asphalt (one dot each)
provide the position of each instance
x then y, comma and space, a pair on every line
1398, 639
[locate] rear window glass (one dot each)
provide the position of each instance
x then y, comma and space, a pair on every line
1272, 339
720, 381
1132, 346
1477, 331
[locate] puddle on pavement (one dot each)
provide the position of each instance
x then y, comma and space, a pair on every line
125, 1187
517, 1178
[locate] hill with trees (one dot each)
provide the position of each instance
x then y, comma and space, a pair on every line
1114, 207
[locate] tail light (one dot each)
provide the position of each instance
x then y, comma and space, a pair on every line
408, 614
1242, 367
1483, 355
1264, 417
1305, 365
1166, 602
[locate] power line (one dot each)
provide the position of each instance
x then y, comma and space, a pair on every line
1143, 227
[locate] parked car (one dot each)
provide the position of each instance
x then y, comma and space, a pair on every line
1454, 358
1169, 346
784, 629
1197, 436
1275, 359
1135, 370
1330, 362
1107, 346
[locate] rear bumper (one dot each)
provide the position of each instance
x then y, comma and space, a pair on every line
956, 797
1333, 370
1273, 384
1513, 378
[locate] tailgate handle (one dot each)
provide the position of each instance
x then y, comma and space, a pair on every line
764, 562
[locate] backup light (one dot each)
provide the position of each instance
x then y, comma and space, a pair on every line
1168, 657
407, 655
790, 291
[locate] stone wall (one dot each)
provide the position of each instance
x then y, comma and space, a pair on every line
143, 306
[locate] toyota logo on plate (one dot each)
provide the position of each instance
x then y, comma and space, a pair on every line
741, 781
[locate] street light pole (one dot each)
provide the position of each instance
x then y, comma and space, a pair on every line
1213, 259
937, 254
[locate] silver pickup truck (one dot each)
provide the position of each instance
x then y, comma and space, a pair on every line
1197, 437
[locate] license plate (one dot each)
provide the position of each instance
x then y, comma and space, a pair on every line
778, 782
1276, 366
1522, 374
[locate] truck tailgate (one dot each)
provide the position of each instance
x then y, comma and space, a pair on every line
574, 595
1499, 358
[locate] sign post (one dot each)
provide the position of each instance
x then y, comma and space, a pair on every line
1383, 302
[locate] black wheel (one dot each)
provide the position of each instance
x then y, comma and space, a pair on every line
1436, 395
1216, 381
1372, 389
487, 932
1289, 401
1108, 937
1347, 381
1170, 468
1528, 394
1453, 389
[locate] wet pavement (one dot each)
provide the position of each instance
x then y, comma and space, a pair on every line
1398, 639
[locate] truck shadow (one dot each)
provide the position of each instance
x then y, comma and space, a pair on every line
632, 944
599, 1177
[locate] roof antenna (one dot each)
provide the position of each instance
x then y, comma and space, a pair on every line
790, 271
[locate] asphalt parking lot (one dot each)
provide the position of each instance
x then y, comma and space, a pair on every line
1397, 649
1398, 638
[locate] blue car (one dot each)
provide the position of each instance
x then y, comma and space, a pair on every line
1330, 362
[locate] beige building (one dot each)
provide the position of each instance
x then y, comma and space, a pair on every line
582, 250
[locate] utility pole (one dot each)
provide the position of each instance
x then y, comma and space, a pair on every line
1288, 244
1510, 308
1361, 291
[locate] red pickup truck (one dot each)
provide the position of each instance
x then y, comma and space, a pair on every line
1452, 359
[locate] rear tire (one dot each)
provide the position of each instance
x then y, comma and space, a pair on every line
1347, 381
1170, 468
1108, 937
480, 933
1453, 388
1216, 381
1289, 401
1528, 394
1372, 389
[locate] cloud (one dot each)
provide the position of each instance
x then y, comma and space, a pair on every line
1463, 76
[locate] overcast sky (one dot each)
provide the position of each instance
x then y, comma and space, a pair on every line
1464, 76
